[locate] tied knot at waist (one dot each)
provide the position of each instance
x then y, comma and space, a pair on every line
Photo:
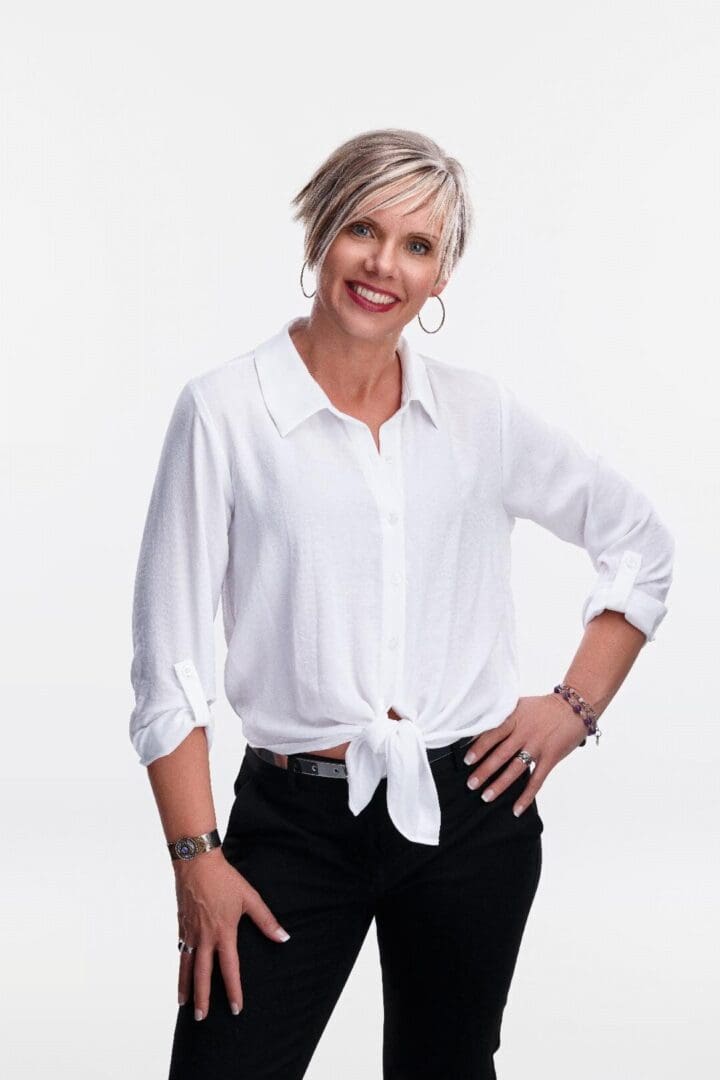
395, 748
384, 727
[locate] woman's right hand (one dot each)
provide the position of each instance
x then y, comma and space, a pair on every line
211, 899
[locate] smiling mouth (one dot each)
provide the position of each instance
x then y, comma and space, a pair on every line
374, 296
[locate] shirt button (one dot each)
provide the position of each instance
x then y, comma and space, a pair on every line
187, 670
392, 518
388, 458
392, 643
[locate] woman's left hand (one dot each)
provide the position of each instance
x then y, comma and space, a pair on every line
545, 726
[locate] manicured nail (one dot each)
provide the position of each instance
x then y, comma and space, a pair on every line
470, 758
488, 796
198, 1014
473, 782
282, 935
234, 1008
518, 810
181, 999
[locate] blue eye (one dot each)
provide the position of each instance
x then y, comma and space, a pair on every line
362, 225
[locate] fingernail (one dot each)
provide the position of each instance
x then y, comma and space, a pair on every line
234, 1008
470, 759
282, 935
181, 999
518, 810
198, 1014
488, 796
473, 782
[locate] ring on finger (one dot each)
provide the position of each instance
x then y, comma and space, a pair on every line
527, 758
184, 947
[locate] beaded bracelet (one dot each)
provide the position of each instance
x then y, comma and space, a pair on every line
580, 706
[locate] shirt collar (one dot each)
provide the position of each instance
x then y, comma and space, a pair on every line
292, 394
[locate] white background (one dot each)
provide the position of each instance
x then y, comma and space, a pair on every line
149, 154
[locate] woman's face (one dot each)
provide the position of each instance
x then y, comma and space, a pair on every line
391, 253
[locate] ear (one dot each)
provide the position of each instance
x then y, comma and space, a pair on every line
439, 286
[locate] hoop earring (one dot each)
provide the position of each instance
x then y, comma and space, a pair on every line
443, 319
308, 295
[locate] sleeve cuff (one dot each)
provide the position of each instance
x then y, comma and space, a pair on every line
164, 729
165, 733
639, 608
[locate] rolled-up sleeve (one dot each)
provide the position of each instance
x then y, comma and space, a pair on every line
548, 477
181, 568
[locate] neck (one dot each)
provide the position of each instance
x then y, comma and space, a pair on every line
355, 369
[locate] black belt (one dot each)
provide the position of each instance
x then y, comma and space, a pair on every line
316, 765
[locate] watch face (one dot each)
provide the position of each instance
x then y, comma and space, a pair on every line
186, 848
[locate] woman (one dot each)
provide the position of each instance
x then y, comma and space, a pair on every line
352, 502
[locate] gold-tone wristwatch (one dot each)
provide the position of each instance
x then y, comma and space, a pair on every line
187, 847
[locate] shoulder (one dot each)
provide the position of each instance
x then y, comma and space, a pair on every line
455, 379
468, 402
464, 394
470, 388
221, 395
223, 383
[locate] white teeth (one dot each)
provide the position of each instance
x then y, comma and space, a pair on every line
373, 297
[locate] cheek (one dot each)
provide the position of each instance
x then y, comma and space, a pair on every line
421, 282
340, 254
333, 274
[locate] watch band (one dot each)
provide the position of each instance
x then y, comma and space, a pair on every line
188, 847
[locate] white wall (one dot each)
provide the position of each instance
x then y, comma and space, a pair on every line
148, 156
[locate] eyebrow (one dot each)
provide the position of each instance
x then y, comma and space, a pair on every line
413, 232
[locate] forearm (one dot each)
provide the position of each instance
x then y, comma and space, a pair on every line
181, 785
606, 653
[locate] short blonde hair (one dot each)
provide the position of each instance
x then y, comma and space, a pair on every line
366, 166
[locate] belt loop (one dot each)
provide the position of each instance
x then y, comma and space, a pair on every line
292, 775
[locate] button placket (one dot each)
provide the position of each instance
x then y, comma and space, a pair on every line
383, 475
393, 561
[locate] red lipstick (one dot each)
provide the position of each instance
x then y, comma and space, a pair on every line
366, 304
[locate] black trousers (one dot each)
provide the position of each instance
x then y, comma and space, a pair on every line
449, 922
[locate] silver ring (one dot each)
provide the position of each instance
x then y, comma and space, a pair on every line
183, 947
527, 758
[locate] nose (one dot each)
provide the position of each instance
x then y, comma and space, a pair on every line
382, 261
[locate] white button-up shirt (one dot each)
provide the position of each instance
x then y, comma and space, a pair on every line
354, 581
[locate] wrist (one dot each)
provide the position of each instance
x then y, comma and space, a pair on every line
190, 866
568, 715
586, 715
189, 848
